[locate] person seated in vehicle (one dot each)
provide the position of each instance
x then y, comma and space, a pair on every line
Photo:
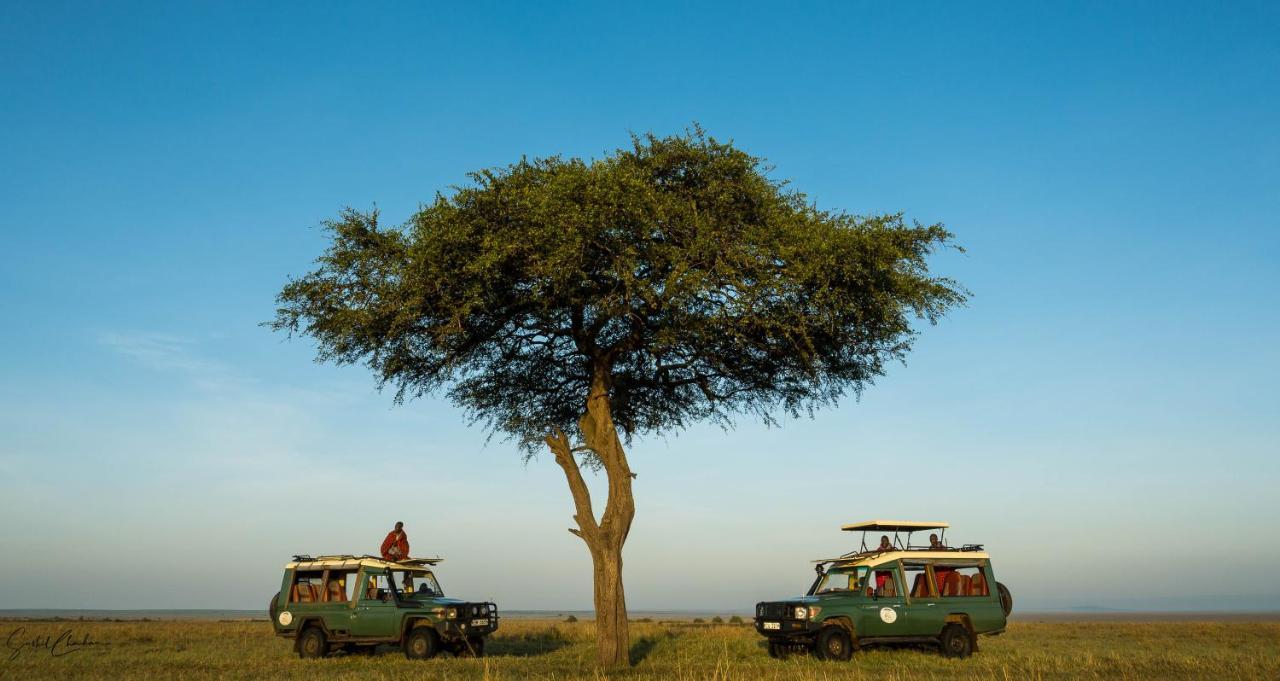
935, 544
885, 544
408, 584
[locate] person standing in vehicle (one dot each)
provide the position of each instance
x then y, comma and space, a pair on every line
396, 546
885, 545
935, 544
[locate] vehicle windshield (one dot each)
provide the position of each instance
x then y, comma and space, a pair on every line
843, 579
416, 584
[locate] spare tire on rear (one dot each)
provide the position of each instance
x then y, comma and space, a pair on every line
1006, 598
271, 609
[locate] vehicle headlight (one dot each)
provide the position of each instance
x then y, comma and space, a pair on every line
813, 611
801, 613
451, 613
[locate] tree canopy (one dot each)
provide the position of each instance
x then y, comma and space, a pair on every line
675, 274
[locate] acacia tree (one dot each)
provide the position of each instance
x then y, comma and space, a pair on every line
575, 304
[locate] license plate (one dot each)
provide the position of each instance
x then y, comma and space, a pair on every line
772, 625
480, 622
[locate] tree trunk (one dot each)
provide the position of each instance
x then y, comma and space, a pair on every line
605, 538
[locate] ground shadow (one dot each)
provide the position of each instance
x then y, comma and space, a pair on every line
645, 645
529, 644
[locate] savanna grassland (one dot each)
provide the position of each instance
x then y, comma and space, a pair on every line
542, 649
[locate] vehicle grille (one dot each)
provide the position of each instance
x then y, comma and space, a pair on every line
773, 611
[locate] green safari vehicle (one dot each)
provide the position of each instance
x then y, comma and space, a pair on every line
359, 602
895, 593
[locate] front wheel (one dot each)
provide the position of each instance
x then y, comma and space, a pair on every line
955, 641
779, 651
312, 643
421, 644
834, 644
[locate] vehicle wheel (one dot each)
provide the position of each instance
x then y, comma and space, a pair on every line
779, 651
1006, 598
312, 643
834, 644
421, 644
472, 647
271, 608
955, 641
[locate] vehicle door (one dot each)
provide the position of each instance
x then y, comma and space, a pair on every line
375, 613
339, 588
884, 614
924, 616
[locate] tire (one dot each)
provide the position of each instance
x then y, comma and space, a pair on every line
779, 651
312, 643
421, 644
271, 608
955, 641
1006, 598
472, 647
834, 644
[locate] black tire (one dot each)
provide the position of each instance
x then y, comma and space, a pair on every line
312, 643
779, 651
834, 644
1006, 598
421, 644
955, 641
271, 608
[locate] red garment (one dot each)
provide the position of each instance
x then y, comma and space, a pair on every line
395, 547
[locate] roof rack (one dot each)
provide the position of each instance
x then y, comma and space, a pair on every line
415, 562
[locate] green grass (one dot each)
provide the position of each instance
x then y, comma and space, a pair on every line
529, 649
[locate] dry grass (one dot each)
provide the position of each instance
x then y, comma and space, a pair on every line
529, 649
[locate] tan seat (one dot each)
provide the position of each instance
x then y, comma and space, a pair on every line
336, 591
920, 587
964, 585
978, 586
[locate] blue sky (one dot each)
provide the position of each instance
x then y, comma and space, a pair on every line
1110, 394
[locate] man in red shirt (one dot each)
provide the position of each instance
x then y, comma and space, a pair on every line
396, 546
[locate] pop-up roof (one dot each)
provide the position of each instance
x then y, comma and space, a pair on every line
894, 526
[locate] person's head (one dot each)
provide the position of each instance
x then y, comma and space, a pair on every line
933, 539
399, 526
884, 540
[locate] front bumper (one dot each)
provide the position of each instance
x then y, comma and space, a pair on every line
474, 619
786, 628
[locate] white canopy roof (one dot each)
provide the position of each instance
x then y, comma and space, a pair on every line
894, 526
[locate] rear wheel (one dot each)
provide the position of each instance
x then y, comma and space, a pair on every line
312, 643
955, 641
834, 644
421, 644
1006, 598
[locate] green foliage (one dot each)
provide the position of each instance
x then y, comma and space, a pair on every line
571, 619
676, 274
735, 620
717, 620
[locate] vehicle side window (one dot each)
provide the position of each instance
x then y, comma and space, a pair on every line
918, 577
340, 586
306, 586
961, 580
377, 587
887, 583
